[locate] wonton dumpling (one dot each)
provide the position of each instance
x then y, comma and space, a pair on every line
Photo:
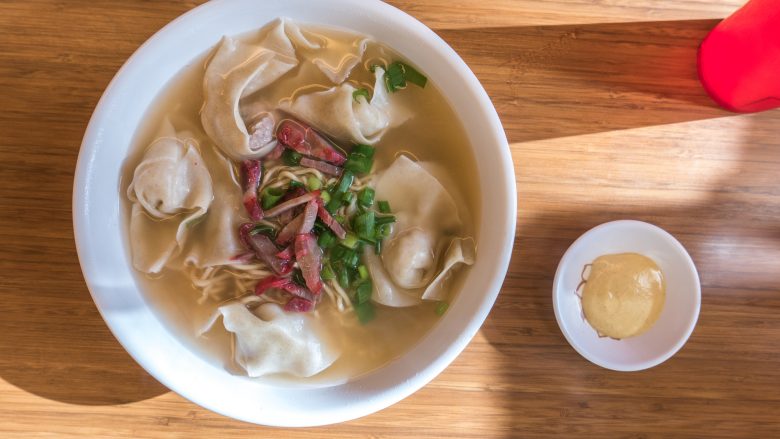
422, 248
171, 188
337, 113
237, 70
223, 219
271, 341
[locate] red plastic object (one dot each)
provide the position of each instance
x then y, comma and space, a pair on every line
739, 61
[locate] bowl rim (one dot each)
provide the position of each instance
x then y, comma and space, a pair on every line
384, 397
682, 337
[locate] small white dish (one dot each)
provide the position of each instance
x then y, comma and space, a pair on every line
674, 325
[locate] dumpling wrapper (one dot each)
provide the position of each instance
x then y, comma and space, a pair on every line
422, 250
223, 219
340, 70
339, 114
239, 69
170, 190
271, 341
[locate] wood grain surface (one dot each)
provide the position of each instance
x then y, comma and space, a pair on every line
606, 121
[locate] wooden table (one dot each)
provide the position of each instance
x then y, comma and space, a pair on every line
606, 120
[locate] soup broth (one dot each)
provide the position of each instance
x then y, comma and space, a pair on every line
433, 134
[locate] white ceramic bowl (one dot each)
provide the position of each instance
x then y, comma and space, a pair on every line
100, 236
674, 325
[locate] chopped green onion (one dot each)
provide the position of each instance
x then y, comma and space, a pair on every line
365, 312
412, 75
325, 195
398, 73
441, 308
335, 203
367, 242
358, 163
363, 272
383, 231
343, 186
346, 182
342, 276
337, 254
319, 227
327, 273
365, 225
297, 277
366, 197
384, 206
264, 230
291, 158
348, 197
363, 292
313, 183
386, 219
350, 241
351, 259
271, 196
327, 239
378, 247
360, 92
394, 77
296, 184
366, 150
339, 219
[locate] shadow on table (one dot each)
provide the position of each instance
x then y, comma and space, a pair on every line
574, 80
53, 342
58, 347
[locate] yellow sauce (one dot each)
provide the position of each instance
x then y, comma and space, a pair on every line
624, 295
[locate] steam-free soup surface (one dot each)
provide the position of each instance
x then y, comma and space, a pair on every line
431, 135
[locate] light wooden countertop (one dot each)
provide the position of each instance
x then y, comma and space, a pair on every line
606, 121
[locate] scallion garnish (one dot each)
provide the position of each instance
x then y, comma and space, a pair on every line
327, 272
348, 197
360, 92
366, 150
363, 292
378, 247
271, 196
291, 158
383, 231
384, 206
349, 241
346, 182
296, 184
415, 77
441, 308
342, 276
327, 239
297, 277
365, 225
385, 219
399, 73
366, 197
363, 272
351, 258
365, 312
325, 195
358, 163
313, 183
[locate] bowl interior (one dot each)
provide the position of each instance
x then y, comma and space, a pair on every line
99, 229
680, 311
